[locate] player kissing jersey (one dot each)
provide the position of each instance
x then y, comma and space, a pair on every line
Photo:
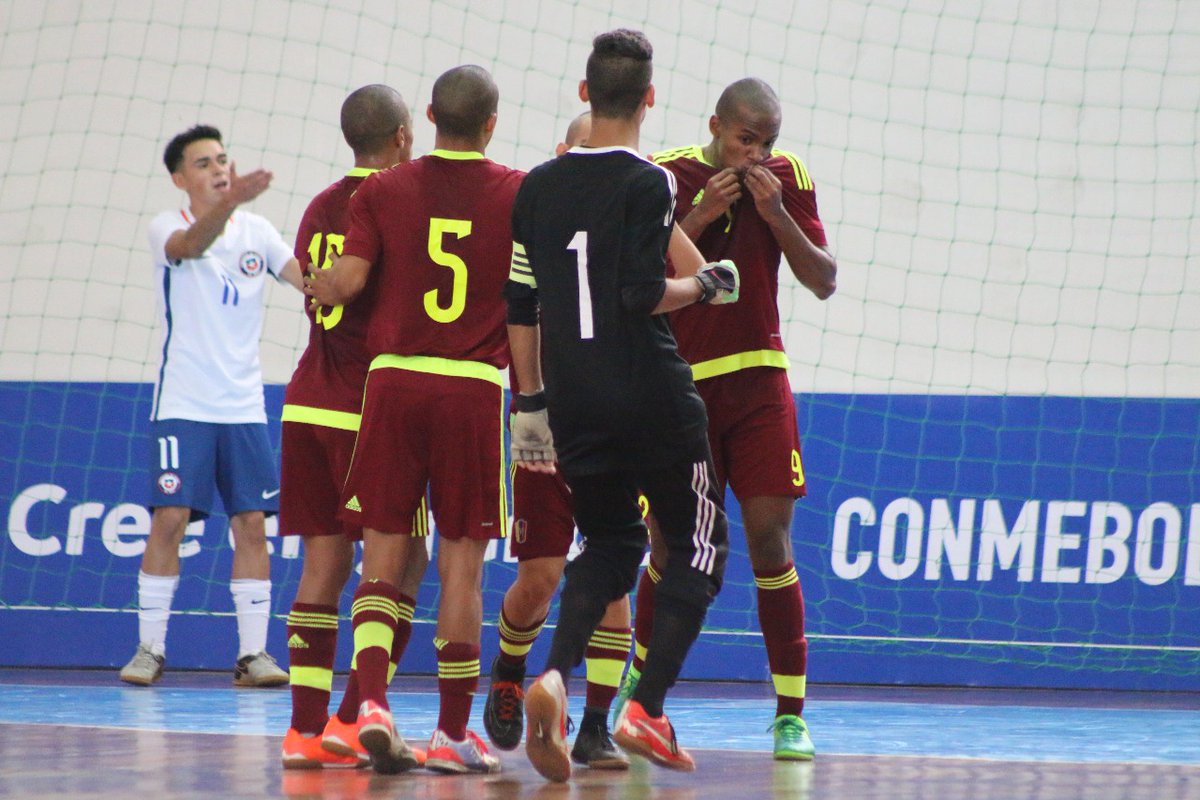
212, 312
443, 302
726, 338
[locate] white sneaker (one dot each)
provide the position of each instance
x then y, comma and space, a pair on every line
258, 669
144, 668
470, 755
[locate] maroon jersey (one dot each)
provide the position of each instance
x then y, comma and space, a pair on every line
438, 233
333, 368
717, 340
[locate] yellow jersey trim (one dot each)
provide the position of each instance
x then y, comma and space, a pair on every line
457, 155
360, 172
689, 151
798, 168
309, 415
727, 364
439, 366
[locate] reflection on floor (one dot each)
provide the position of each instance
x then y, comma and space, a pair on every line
194, 735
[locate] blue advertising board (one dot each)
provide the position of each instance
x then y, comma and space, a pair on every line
945, 540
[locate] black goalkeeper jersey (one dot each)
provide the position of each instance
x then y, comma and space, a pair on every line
590, 235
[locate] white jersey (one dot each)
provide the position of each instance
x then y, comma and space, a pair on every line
211, 309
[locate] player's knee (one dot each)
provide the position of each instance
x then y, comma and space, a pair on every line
535, 589
169, 523
769, 548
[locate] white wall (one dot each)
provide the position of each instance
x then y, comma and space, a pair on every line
1010, 188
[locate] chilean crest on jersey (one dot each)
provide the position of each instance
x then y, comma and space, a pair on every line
252, 264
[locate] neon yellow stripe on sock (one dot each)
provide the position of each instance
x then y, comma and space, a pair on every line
790, 685
604, 671
312, 677
373, 634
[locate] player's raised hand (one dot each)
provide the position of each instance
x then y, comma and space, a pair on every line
766, 189
532, 442
722, 190
720, 283
244, 188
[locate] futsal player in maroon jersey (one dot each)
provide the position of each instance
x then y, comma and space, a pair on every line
741, 198
320, 422
435, 234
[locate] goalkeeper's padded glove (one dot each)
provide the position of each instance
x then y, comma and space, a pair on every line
719, 283
530, 434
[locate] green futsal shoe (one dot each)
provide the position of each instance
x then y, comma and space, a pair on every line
792, 742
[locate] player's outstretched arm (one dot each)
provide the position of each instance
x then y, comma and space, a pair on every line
685, 258
339, 284
199, 236
291, 274
716, 284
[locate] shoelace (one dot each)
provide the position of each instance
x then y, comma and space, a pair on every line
510, 702
786, 728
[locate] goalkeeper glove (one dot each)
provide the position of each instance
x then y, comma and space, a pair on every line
531, 437
719, 283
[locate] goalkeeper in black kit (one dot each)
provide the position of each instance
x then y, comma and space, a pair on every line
587, 302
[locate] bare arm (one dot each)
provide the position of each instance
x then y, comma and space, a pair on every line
680, 292
814, 266
683, 253
291, 274
339, 284
199, 236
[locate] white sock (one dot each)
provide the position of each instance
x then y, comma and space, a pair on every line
252, 600
155, 593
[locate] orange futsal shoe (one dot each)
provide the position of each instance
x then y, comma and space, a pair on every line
546, 727
342, 738
306, 752
653, 738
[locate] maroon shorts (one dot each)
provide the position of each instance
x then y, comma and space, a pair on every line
753, 432
543, 523
315, 461
418, 429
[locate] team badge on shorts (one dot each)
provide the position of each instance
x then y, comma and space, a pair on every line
252, 264
520, 530
169, 483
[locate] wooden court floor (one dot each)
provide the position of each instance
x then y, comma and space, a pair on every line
63, 735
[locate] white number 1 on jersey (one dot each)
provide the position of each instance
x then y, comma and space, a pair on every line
579, 245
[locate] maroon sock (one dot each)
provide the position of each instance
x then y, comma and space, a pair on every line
458, 678
643, 620
781, 616
374, 615
312, 640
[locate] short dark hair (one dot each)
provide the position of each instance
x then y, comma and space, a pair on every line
464, 98
371, 115
749, 94
173, 155
619, 72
